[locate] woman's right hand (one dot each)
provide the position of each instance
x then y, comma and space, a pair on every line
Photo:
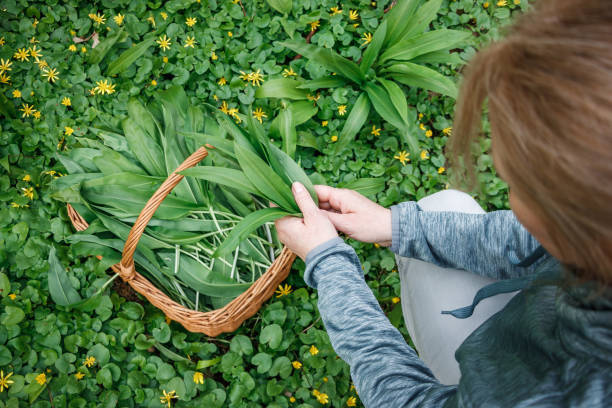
355, 215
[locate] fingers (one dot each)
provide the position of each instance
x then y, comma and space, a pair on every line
336, 198
304, 200
271, 204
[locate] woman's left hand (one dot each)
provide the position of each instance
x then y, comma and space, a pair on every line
303, 234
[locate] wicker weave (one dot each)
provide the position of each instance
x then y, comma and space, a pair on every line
224, 320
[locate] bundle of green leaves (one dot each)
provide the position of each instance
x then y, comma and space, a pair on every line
395, 54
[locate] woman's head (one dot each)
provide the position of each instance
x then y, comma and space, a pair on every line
548, 85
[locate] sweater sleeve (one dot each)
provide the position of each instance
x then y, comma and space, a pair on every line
490, 244
385, 369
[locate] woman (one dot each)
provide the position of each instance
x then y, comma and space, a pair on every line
548, 340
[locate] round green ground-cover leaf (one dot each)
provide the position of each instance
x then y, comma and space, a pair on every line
271, 335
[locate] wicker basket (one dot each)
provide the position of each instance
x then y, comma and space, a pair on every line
224, 320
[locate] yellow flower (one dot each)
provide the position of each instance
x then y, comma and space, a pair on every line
168, 397
422, 126
190, 42
485, 4
42, 65
27, 110
27, 177
353, 15
72, 48
334, 138
517, 2
256, 78
35, 52
501, 3
424, 155
119, 19
258, 114
428, 133
375, 131
35, 22
313, 98
104, 87
233, 112
283, 291
291, 399
447, 131
12, 295
213, 56
165, 59
163, 15
4, 381
164, 42
2, 42
5, 65
341, 110
420, 116
16, 93
324, 123
335, 10
51, 74
68, 130
325, 379
153, 82
355, 25
441, 170
41, 378
351, 402
72, 32
4, 79
79, 375
367, 38
314, 25
97, 18
395, 300
224, 108
36, 115
229, 34
83, 49
289, 72
33, 40
191, 21
222, 81
151, 20
198, 377
402, 157
22, 54
321, 397
89, 361
215, 97
296, 364
313, 350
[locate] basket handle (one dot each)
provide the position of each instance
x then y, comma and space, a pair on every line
126, 266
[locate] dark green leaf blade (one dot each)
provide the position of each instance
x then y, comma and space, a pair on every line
61, 290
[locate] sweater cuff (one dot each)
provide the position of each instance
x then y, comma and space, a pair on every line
403, 224
313, 253
335, 246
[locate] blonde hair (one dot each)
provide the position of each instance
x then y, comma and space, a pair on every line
548, 85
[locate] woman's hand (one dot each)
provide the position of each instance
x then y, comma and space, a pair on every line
355, 215
303, 234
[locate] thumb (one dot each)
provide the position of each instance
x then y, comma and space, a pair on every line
303, 200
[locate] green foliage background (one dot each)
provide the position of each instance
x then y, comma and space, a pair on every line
138, 354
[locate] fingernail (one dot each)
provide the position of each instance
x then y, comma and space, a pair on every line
297, 187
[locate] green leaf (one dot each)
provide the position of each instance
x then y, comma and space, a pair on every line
354, 122
265, 179
282, 6
397, 97
292, 171
12, 315
419, 21
428, 42
263, 362
417, 75
5, 285
439, 57
224, 176
322, 83
245, 227
241, 344
207, 363
397, 18
287, 132
146, 149
368, 186
61, 290
128, 57
370, 54
329, 59
271, 335
98, 53
382, 104
6, 107
281, 88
